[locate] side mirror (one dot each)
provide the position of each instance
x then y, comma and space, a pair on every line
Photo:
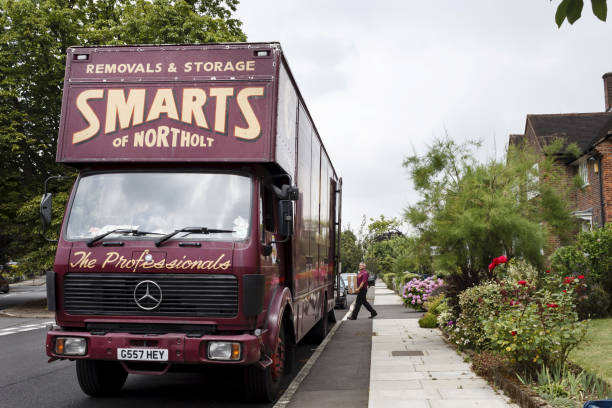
285, 217
46, 207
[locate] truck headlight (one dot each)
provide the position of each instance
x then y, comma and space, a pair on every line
70, 346
223, 350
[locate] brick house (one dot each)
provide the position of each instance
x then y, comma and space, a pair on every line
591, 204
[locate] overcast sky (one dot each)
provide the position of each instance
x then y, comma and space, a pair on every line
383, 79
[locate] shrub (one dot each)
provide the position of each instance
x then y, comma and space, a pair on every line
454, 285
418, 291
589, 256
477, 304
535, 326
595, 304
428, 321
432, 304
445, 317
388, 279
485, 363
405, 277
518, 269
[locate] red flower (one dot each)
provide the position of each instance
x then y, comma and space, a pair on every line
500, 259
522, 282
513, 332
580, 276
496, 261
568, 280
548, 271
553, 305
564, 290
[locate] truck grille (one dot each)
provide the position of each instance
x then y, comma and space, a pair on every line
182, 294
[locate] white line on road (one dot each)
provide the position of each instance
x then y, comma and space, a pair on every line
24, 328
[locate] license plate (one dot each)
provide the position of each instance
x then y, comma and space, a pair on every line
142, 354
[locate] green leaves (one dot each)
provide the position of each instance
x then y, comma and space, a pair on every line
475, 211
600, 9
572, 10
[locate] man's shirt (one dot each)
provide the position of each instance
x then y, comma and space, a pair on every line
363, 277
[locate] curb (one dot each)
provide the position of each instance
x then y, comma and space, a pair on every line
285, 399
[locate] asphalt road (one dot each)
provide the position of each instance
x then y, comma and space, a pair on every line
20, 294
27, 380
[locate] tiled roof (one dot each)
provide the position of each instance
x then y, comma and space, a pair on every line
516, 139
584, 129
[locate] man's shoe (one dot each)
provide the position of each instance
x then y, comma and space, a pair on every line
373, 315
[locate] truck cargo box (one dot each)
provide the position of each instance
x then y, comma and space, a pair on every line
179, 103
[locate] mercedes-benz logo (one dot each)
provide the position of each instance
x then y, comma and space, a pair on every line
147, 295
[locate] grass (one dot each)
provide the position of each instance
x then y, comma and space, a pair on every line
595, 352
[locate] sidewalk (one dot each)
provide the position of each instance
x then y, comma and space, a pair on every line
37, 281
414, 367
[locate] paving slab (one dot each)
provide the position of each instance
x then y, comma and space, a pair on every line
437, 377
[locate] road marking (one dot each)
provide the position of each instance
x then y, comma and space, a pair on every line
24, 328
285, 399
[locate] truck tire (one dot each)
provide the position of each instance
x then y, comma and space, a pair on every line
263, 385
319, 331
331, 316
99, 378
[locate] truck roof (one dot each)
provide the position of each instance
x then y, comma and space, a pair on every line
172, 103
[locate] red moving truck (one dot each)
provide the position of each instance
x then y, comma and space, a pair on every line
203, 226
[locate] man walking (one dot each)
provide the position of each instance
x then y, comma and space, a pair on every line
362, 290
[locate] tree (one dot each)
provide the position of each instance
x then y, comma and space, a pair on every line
34, 36
572, 10
470, 212
412, 255
381, 247
350, 253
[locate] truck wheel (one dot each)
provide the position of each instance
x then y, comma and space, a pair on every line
319, 331
100, 378
263, 385
331, 316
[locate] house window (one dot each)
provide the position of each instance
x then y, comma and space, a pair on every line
583, 173
585, 219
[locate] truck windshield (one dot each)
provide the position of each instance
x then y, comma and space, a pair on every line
160, 203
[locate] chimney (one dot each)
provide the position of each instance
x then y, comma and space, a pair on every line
607, 78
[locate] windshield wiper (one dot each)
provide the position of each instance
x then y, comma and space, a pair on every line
119, 231
190, 230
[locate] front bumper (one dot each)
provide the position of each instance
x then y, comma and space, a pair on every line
181, 348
